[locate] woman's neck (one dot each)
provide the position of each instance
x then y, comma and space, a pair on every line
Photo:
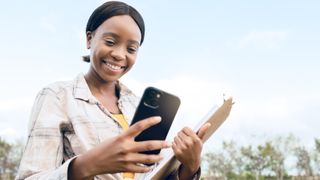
99, 87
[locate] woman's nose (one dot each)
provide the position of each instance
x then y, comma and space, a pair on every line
119, 53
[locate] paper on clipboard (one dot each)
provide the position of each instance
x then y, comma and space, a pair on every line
215, 117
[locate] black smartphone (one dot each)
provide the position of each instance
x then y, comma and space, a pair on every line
156, 102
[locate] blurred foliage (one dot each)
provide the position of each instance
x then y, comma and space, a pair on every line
10, 156
265, 161
270, 160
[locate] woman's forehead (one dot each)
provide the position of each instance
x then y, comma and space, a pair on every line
120, 26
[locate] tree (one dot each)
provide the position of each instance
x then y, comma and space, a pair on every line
256, 159
10, 155
317, 143
5, 149
234, 156
316, 156
303, 163
228, 163
282, 148
277, 163
217, 164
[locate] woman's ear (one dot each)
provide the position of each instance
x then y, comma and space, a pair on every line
89, 39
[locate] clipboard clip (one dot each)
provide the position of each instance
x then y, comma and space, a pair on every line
224, 98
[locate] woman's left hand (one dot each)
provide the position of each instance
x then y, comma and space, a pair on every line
187, 147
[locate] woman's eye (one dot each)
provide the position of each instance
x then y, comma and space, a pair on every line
110, 43
132, 50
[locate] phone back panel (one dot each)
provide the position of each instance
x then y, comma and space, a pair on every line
156, 102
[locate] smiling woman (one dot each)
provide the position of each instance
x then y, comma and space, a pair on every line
114, 45
79, 129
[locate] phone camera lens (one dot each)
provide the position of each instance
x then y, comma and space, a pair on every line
152, 94
153, 103
153, 98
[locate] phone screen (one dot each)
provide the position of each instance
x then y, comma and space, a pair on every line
156, 102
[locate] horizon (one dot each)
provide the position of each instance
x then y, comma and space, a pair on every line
263, 54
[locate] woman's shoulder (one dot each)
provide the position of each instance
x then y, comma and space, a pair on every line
62, 86
58, 86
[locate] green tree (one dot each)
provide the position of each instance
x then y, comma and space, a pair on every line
303, 163
5, 149
217, 164
317, 143
228, 163
282, 148
316, 157
10, 155
256, 159
235, 159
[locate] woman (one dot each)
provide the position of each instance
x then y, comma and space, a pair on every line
79, 129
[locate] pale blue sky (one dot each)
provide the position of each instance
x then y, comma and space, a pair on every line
266, 54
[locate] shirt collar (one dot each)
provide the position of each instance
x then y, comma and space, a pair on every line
81, 90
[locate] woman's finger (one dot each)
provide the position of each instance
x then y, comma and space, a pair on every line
189, 133
149, 145
179, 143
140, 126
143, 158
186, 138
137, 168
202, 131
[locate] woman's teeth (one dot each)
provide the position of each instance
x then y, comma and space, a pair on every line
114, 67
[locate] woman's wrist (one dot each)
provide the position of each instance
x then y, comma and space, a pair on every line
187, 173
79, 169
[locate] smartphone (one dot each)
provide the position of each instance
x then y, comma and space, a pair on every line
156, 102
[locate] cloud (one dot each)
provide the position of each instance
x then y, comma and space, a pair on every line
197, 97
263, 39
191, 91
48, 24
16, 103
258, 116
252, 119
10, 134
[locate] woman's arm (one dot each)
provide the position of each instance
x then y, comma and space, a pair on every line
43, 154
119, 154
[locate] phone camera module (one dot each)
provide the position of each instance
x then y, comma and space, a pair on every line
152, 99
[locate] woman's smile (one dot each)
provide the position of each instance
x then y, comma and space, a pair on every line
113, 67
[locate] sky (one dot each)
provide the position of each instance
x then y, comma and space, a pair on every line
265, 54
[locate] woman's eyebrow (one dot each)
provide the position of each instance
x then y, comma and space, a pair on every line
110, 34
134, 42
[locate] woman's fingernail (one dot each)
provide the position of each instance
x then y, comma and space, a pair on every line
157, 118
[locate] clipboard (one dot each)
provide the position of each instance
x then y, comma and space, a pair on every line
215, 117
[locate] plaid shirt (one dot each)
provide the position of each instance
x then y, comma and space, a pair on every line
66, 121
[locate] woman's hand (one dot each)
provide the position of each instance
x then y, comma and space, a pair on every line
187, 147
119, 154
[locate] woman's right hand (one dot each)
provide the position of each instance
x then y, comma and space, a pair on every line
119, 154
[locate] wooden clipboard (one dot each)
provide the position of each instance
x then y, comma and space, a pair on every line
215, 118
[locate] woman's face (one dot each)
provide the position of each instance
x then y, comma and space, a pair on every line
114, 46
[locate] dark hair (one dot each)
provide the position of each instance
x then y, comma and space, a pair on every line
110, 9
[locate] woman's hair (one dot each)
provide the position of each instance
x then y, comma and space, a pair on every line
110, 9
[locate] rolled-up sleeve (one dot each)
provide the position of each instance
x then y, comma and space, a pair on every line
43, 154
175, 175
